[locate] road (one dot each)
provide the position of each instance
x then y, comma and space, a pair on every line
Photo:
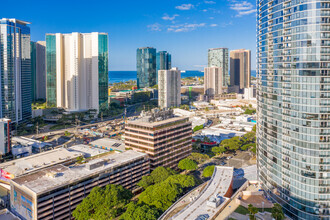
131, 111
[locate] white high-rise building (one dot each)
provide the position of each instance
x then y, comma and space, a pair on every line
213, 81
77, 70
169, 88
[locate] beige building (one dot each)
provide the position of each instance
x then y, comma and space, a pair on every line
166, 138
240, 68
77, 70
169, 88
54, 192
213, 81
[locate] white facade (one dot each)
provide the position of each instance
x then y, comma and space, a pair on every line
169, 88
213, 81
77, 82
5, 142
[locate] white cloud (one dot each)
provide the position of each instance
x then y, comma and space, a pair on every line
211, 18
154, 27
243, 8
210, 2
166, 17
213, 25
204, 10
185, 7
185, 27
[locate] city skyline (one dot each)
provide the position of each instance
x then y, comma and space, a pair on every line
172, 26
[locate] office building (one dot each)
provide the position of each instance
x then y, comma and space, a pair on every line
77, 71
5, 136
15, 70
213, 81
38, 70
169, 88
163, 62
218, 57
146, 67
54, 192
240, 69
164, 137
293, 68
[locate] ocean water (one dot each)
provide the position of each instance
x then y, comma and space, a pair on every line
122, 76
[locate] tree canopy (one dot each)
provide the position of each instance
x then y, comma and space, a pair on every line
187, 164
103, 203
253, 211
157, 175
208, 171
140, 211
198, 157
277, 212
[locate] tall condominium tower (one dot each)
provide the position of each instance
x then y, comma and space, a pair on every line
163, 62
169, 88
293, 105
15, 70
38, 70
5, 137
77, 71
146, 67
213, 81
218, 57
240, 68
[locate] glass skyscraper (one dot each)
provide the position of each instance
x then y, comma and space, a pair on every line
77, 71
38, 70
293, 134
218, 57
15, 70
146, 67
163, 62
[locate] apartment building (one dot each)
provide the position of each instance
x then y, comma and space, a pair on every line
164, 137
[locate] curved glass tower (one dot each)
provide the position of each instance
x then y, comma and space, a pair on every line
293, 56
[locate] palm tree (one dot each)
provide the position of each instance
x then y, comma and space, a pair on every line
253, 211
277, 212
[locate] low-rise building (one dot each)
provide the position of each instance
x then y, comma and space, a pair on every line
54, 192
166, 138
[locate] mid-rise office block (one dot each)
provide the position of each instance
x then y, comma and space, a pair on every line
166, 138
146, 67
5, 136
240, 68
55, 192
38, 70
15, 70
213, 81
169, 88
163, 62
77, 71
293, 94
218, 57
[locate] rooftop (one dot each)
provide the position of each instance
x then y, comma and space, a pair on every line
141, 122
218, 186
28, 141
5, 214
86, 150
38, 161
16, 21
59, 175
108, 144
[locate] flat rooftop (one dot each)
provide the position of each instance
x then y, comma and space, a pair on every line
108, 144
41, 182
86, 150
142, 122
5, 214
29, 141
38, 161
218, 185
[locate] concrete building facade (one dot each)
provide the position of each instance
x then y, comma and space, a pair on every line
213, 81
240, 68
54, 192
163, 62
5, 136
38, 70
15, 70
218, 57
165, 138
169, 88
77, 71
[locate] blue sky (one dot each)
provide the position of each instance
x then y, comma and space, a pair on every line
185, 28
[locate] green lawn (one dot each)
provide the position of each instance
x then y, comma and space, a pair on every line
58, 127
242, 210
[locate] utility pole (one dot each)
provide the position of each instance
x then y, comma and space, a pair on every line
37, 127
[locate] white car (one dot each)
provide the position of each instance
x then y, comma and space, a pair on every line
229, 157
